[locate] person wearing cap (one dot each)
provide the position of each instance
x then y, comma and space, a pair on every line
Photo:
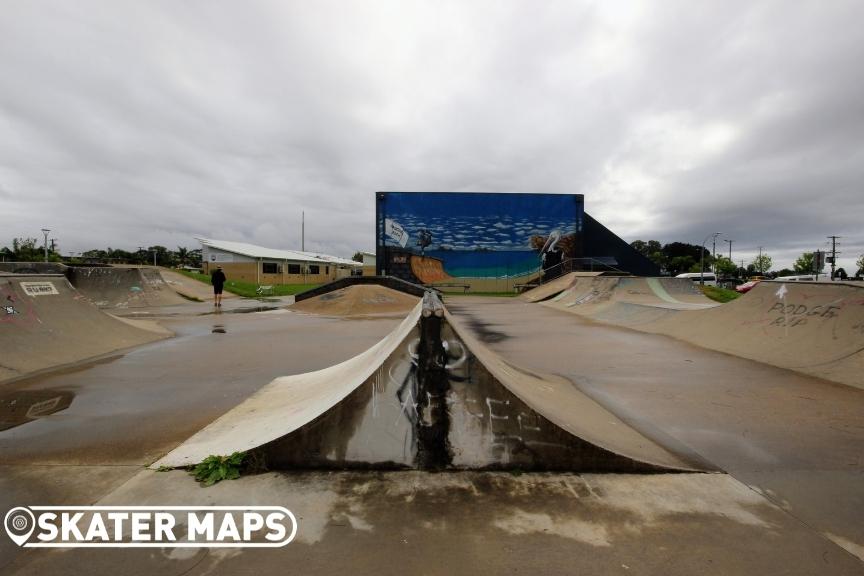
217, 278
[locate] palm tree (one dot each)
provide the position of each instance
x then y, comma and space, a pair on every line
182, 255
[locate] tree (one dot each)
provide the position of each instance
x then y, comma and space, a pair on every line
841, 274
679, 264
860, 264
640, 246
182, 255
806, 264
652, 249
26, 250
725, 267
762, 264
195, 257
357, 257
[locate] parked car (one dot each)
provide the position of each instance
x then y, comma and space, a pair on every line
747, 286
708, 278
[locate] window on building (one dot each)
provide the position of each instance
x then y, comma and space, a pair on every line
293, 269
326, 269
270, 268
314, 269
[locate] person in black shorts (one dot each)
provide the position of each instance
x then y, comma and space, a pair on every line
217, 278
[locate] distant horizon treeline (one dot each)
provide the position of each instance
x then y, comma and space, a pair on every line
30, 250
679, 257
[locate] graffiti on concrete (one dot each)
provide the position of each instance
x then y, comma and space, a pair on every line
17, 310
791, 315
39, 288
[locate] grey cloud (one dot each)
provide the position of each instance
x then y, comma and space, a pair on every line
134, 124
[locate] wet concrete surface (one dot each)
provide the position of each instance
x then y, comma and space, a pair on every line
797, 439
235, 305
793, 442
133, 408
479, 523
47, 485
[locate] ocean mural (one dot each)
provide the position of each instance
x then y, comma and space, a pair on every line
432, 237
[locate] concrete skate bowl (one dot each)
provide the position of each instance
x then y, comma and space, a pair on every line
375, 411
45, 323
358, 300
124, 287
815, 328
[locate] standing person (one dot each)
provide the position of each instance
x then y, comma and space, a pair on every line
217, 278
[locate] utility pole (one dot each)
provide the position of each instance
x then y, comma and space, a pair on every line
833, 254
760, 261
303, 231
45, 231
730, 248
714, 256
702, 257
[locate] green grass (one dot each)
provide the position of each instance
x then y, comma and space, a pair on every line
247, 289
719, 294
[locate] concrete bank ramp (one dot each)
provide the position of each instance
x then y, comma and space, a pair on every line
629, 301
555, 287
124, 287
289, 403
811, 327
46, 323
395, 406
358, 300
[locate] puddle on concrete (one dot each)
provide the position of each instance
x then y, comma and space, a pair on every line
255, 309
23, 406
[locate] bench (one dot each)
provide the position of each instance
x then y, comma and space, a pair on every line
519, 288
264, 290
465, 287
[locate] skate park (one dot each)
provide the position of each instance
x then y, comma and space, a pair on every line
598, 420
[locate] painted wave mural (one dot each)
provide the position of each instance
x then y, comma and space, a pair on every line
478, 235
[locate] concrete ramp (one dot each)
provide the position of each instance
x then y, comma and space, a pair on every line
124, 287
289, 403
427, 396
812, 327
629, 301
529, 402
46, 323
556, 286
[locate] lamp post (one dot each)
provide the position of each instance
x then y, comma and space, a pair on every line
45, 231
702, 257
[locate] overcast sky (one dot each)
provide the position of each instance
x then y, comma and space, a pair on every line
128, 124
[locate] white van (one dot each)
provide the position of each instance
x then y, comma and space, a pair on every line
710, 278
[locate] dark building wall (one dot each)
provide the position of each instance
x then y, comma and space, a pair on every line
602, 243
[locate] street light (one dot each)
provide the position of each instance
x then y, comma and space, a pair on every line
45, 231
730, 248
702, 257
